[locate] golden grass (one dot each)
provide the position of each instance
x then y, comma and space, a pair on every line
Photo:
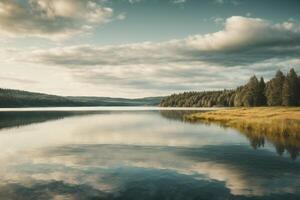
270, 121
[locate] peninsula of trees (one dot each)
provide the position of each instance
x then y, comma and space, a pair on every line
282, 90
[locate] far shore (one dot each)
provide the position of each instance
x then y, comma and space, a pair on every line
108, 108
275, 121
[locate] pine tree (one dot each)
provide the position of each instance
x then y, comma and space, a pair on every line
262, 100
238, 97
298, 91
290, 89
274, 90
251, 92
286, 90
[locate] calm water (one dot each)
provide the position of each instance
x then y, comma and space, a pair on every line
139, 154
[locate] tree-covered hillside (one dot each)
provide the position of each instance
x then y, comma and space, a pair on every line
17, 98
279, 91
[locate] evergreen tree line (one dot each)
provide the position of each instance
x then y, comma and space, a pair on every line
282, 90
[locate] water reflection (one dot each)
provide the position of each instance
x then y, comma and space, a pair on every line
286, 144
16, 119
282, 144
176, 114
139, 155
129, 172
290, 145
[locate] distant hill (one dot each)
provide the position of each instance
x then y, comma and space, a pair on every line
17, 98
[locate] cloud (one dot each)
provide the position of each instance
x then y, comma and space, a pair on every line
233, 2
243, 41
121, 16
223, 59
179, 1
88, 165
54, 19
242, 33
18, 80
218, 20
134, 1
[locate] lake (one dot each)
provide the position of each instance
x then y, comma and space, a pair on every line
139, 153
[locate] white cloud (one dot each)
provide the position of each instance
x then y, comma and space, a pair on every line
218, 20
121, 16
233, 2
223, 59
54, 19
241, 32
241, 36
134, 1
179, 1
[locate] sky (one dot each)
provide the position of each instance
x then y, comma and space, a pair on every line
138, 48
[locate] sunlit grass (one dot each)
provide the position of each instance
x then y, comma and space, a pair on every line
271, 121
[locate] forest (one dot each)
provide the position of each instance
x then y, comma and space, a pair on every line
18, 98
282, 90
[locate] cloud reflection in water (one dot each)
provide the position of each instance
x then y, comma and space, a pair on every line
130, 155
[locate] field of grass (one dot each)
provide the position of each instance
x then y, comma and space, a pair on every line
270, 121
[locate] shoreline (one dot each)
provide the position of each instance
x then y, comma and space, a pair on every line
106, 108
272, 121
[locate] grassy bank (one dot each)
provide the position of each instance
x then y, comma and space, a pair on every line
271, 121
